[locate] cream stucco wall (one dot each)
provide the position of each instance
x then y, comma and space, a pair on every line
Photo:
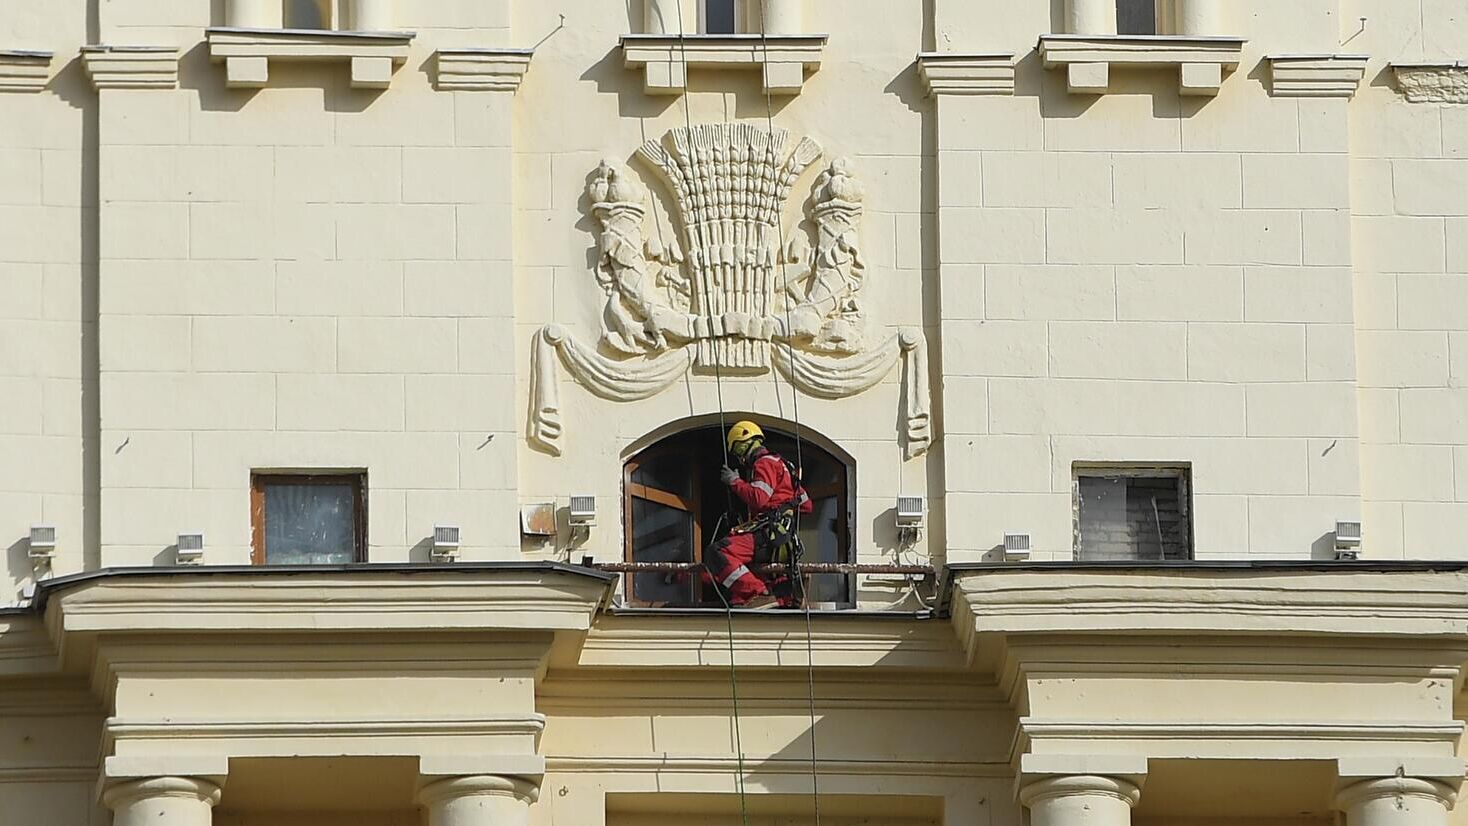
206, 281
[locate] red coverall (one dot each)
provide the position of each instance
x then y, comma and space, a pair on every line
769, 489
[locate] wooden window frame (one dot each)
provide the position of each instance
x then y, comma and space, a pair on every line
840, 490
259, 481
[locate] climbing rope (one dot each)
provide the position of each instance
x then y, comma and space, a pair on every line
810, 664
723, 429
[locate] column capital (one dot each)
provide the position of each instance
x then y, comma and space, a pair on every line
1080, 784
1360, 791
121, 794
486, 785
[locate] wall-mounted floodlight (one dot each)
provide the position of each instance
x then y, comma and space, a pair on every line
445, 543
582, 513
42, 545
1016, 546
190, 548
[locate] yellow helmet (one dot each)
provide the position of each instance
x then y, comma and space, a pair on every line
743, 431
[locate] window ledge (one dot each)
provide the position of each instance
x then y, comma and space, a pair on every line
1443, 81
957, 73
247, 53
131, 67
23, 70
782, 59
1316, 75
481, 70
1201, 61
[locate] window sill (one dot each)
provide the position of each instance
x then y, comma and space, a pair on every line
957, 73
782, 59
131, 67
1087, 59
22, 70
247, 53
1441, 82
1316, 75
481, 70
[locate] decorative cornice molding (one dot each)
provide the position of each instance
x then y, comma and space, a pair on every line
176, 730
782, 59
1087, 59
451, 600
1316, 76
955, 73
1429, 731
247, 53
665, 766
481, 70
24, 70
131, 67
1442, 82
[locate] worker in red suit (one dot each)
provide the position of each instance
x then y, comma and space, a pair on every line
771, 492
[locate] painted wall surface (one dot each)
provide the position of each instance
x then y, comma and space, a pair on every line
204, 281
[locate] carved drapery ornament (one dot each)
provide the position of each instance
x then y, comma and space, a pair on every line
733, 293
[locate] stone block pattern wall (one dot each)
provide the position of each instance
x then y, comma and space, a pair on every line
303, 277
47, 302
1142, 277
1409, 203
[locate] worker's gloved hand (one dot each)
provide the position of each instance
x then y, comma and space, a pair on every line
728, 475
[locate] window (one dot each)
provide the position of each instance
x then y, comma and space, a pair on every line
307, 14
674, 506
1136, 16
1137, 514
300, 519
719, 17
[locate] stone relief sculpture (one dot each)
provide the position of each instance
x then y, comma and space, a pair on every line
735, 292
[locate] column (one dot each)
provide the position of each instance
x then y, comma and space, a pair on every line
780, 17
1200, 18
1090, 16
253, 14
371, 15
669, 17
1396, 801
477, 800
1080, 800
162, 801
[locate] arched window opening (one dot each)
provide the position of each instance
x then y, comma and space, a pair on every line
675, 507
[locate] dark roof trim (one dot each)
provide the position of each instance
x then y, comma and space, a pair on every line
1383, 566
50, 587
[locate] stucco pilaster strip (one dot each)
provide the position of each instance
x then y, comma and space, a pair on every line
1440, 82
958, 73
481, 70
131, 67
24, 70
1316, 76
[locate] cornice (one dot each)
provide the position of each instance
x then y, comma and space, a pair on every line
481, 70
521, 598
247, 53
666, 766
958, 73
266, 732
26, 648
1200, 61
1316, 75
24, 70
1428, 604
699, 643
781, 59
1439, 82
1426, 731
131, 67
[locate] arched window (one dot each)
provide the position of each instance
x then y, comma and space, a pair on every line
675, 506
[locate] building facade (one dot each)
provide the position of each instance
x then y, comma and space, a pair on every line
366, 365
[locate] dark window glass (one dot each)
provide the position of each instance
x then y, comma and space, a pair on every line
1132, 516
309, 520
306, 14
676, 506
719, 17
1136, 16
